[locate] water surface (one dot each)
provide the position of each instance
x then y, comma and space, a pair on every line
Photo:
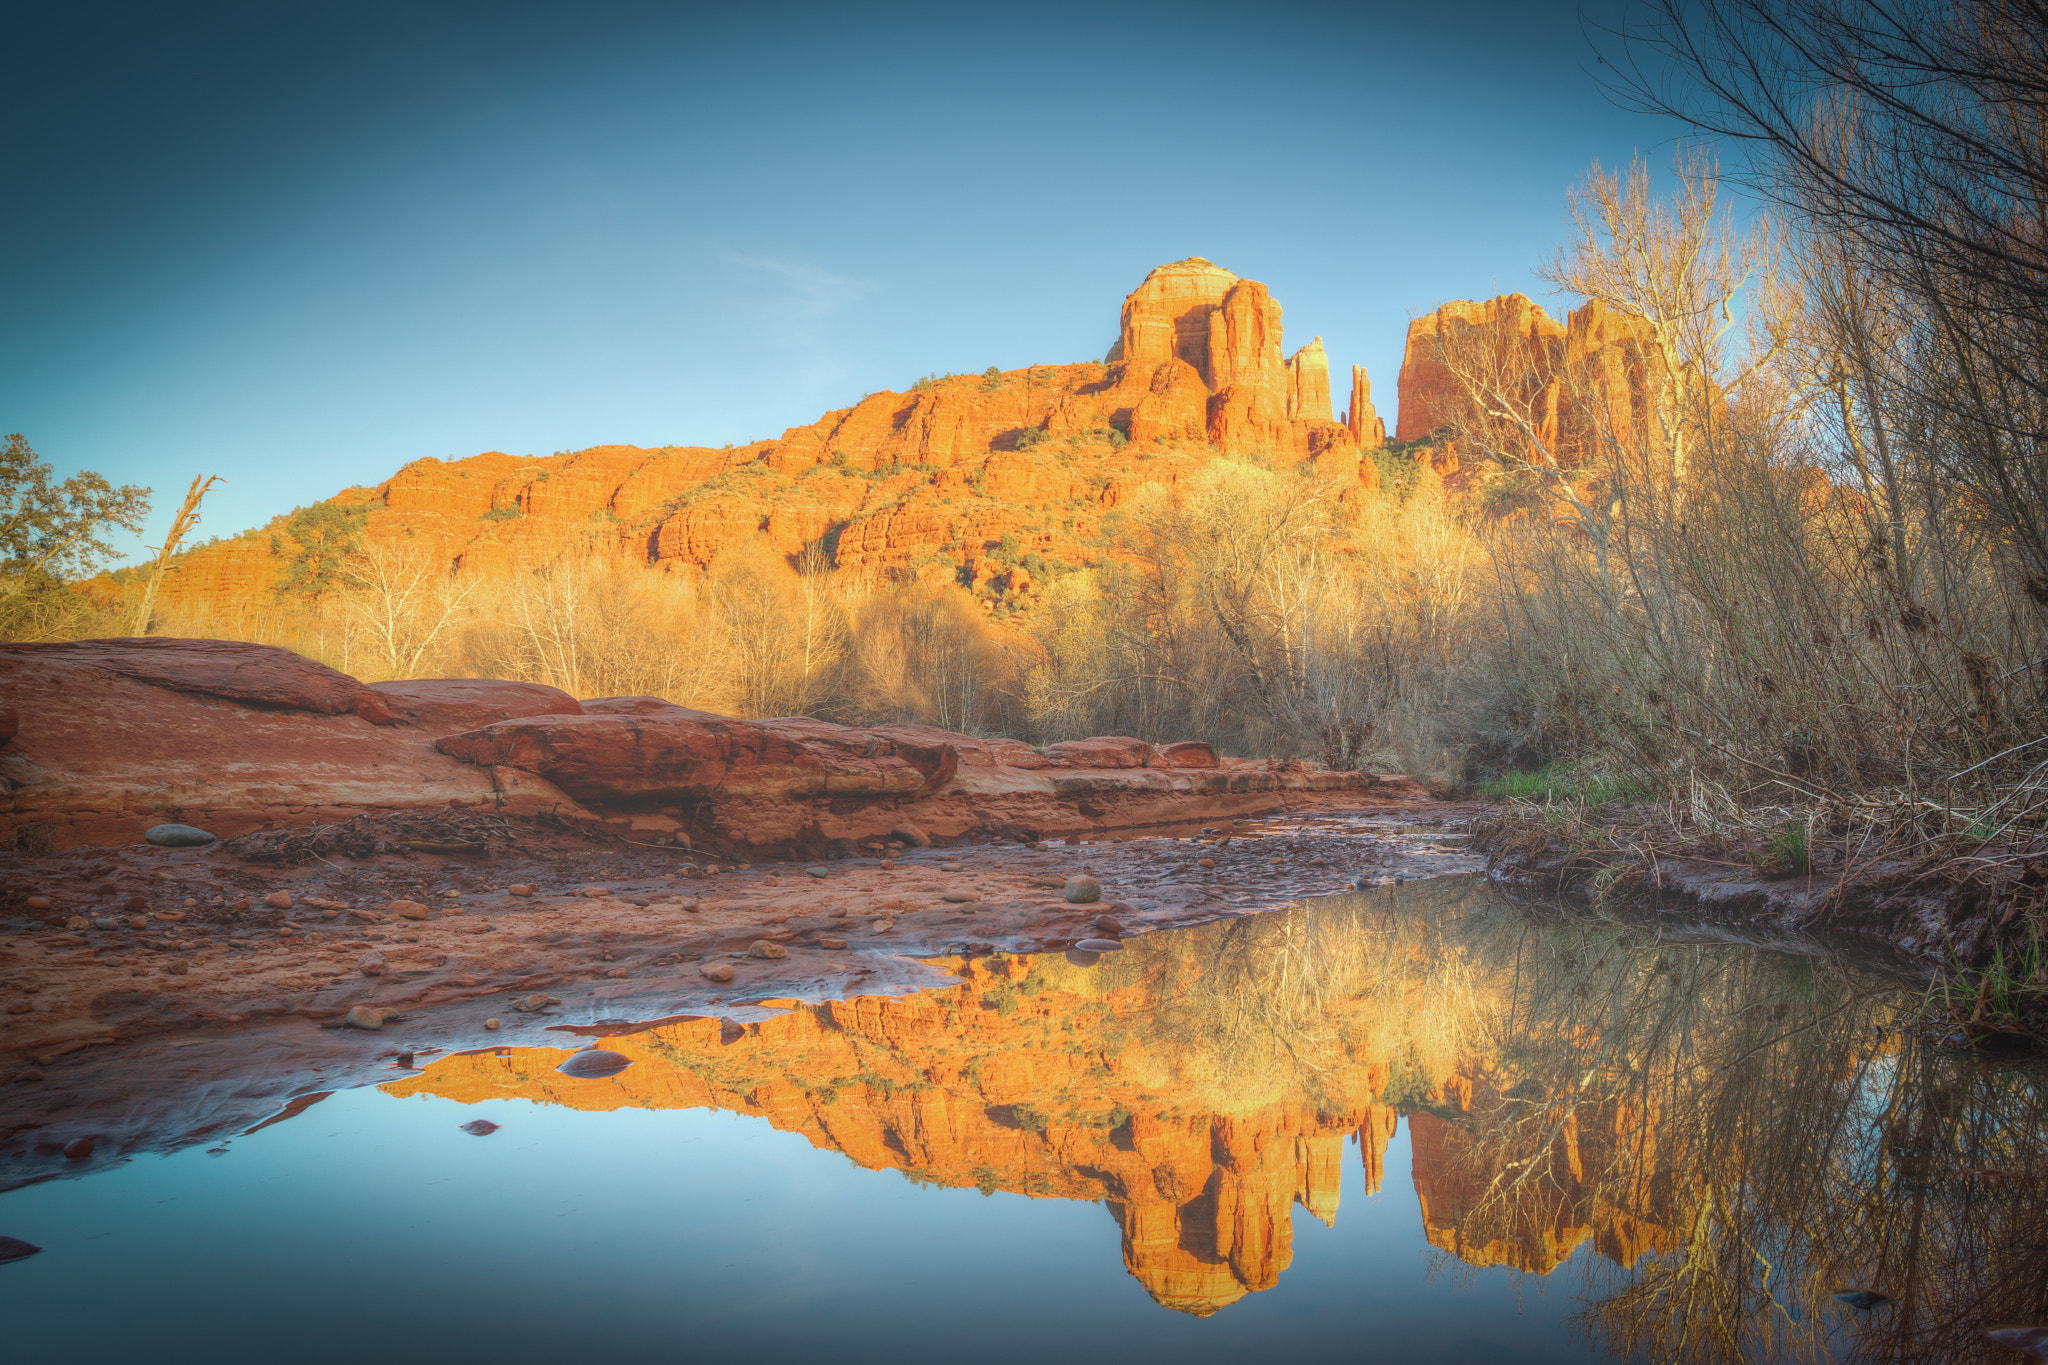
1419, 1123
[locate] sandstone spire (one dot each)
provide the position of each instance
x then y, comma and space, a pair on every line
1366, 427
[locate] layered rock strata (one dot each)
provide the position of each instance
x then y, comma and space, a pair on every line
115, 736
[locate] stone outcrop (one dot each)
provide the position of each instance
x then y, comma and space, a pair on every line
114, 736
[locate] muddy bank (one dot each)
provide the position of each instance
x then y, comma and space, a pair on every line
186, 994
1937, 908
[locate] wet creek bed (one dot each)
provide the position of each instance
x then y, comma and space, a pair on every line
1416, 1121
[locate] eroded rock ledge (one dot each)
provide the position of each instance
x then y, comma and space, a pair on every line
114, 736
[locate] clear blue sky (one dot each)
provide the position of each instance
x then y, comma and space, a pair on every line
299, 245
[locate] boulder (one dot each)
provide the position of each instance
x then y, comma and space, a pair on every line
443, 706
255, 675
1102, 751
638, 758
1188, 753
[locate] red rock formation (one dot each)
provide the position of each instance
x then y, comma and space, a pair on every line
1308, 376
118, 735
442, 706
1364, 424
1580, 383
948, 469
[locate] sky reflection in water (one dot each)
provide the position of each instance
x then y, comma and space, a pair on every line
1544, 1101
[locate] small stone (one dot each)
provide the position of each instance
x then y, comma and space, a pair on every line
14, 1249
479, 1128
37, 902
815, 871
618, 973
887, 864
77, 924
179, 968
451, 894
594, 1064
1110, 924
173, 916
280, 952
1205, 862
492, 1024
407, 910
189, 902
363, 1017
1083, 889
1318, 862
534, 1004
715, 971
881, 926
912, 835
958, 897
831, 942
279, 900
837, 912
2027, 1340
952, 867
19, 1007
762, 947
595, 892
78, 1149
135, 903
519, 889
371, 964
105, 922
138, 921
404, 1060
176, 836
1099, 945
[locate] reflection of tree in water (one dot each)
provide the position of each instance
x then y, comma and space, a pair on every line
1748, 1135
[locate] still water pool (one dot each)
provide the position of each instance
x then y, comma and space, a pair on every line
1431, 1126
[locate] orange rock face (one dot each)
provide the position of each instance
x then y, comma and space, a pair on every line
1580, 382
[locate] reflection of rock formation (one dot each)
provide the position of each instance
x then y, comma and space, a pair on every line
949, 1090
1049, 1080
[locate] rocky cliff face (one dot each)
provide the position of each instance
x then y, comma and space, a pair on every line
938, 475
1580, 382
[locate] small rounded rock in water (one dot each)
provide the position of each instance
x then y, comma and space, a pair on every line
78, 1149
1205, 862
594, 1064
1083, 890
491, 1023
1081, 957
1099, 945
363, 1017
177, 836
404, 1061
1110, 924
2028, 1341
480, 1128
14, 1249
715, 971
816, 871
761, 947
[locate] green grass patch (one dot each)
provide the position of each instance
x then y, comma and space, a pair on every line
1557, 785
